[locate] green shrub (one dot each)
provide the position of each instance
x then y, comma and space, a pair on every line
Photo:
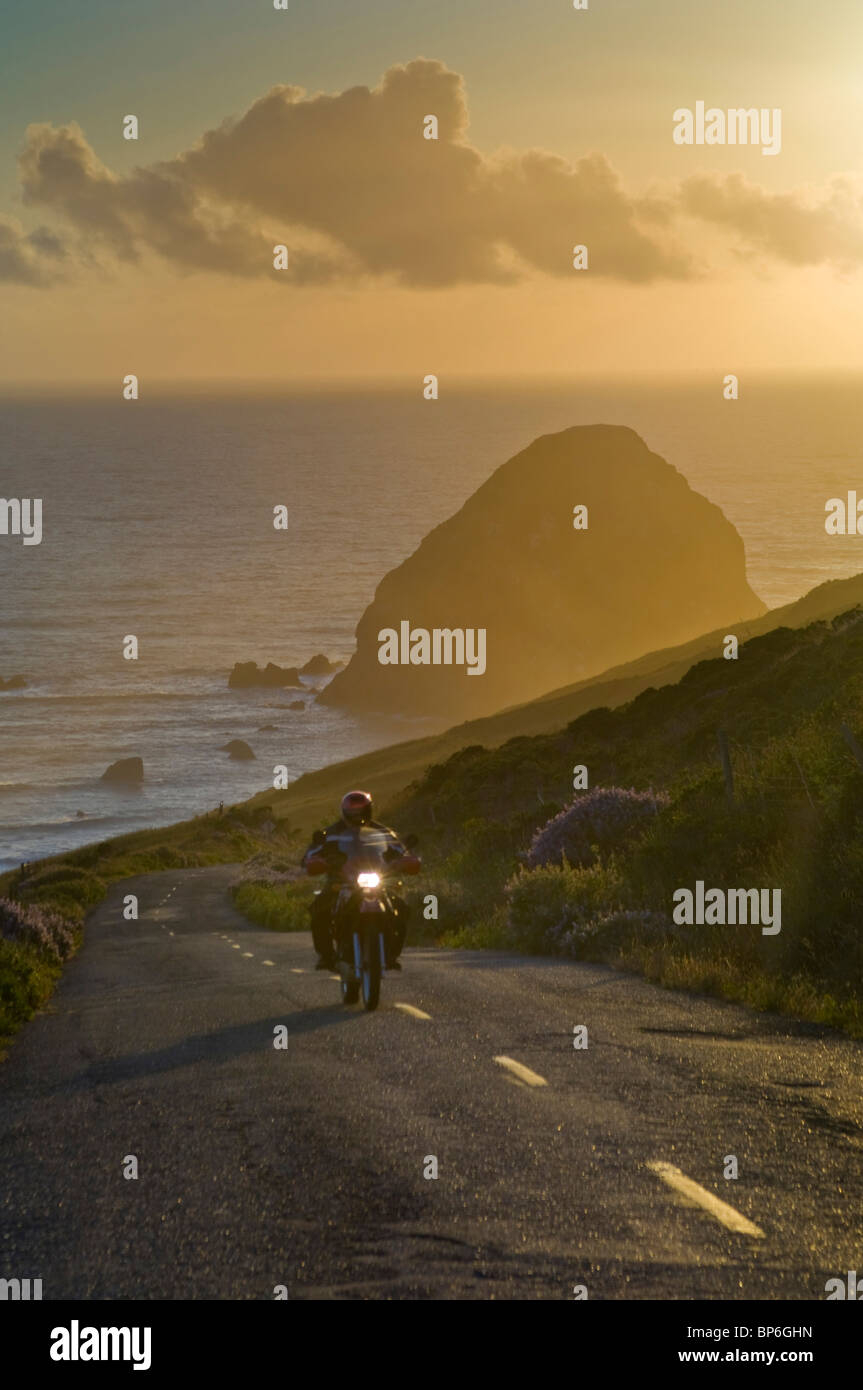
491, 932
64, 884
27, 977
54, 873
279, 906
551, 906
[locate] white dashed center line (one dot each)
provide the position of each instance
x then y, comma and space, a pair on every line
266, 962
530, 1078
414, 1013
710, 1203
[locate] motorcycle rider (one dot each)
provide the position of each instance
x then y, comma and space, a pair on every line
356, 811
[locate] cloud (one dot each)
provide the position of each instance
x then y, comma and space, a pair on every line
796, 228
348, 182
355, 168
350, 185
28, 258
150, 209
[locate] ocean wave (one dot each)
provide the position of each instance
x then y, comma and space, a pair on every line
61, 824
94, 699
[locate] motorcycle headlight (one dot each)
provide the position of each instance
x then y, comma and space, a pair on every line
368, 880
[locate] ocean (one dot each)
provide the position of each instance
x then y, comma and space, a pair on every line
158, 523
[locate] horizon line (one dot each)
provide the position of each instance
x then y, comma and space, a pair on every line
108, 387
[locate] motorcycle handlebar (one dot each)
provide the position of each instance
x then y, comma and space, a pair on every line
326, 861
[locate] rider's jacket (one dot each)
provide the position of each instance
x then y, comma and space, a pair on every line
343, 837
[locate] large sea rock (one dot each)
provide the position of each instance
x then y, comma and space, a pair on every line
238, 749
126, 772
657, 565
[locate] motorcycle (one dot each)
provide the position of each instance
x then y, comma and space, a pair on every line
371, 864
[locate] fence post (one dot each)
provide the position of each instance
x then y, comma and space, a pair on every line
803, 780
725, 758
849, 738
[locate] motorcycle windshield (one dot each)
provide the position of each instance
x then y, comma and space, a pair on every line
364, 848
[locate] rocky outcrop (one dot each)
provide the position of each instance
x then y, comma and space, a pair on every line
247, 674
319, 666
126, 772
556, 594
13, 683
238, 748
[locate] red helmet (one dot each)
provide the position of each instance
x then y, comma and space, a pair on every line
356, 808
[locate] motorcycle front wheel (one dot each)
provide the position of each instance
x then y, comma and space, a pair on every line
371, 977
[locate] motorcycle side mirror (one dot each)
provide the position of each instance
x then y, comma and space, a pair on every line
411, 841
319, 838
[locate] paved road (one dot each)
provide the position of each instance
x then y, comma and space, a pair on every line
305, 1167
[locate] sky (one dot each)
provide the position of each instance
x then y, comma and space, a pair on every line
410, 256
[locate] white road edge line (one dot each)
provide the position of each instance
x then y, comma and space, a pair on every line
530, 1078
414, 1013
710, 1203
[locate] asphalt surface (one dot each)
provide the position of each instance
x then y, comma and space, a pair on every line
304, 1167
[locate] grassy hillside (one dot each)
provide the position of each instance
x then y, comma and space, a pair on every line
386, 771
795, 824
478, 792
